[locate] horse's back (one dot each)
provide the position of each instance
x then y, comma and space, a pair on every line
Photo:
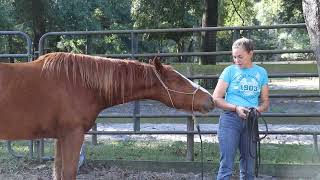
34, 104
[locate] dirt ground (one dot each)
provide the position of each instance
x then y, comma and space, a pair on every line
43, 171
34, 170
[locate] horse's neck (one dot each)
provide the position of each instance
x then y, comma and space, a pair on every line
141, 88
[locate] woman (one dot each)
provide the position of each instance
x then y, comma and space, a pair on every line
239, 87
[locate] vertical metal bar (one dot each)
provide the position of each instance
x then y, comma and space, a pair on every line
41, 142
315, 145
190, 139
94, 136
136, 109
41, 44
136, 119
29, 48
88, 48
236, 34
37, 148
31, 149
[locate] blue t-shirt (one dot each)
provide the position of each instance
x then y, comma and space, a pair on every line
244, 85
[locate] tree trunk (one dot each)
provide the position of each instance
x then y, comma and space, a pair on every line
208, 38
209, 19
38, 21
311, 12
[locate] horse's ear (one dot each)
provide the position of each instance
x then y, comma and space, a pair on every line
156, 62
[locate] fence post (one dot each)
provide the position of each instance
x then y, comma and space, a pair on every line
190, 139
31, 149
37, 149
236, 34
315, 145
94, 136
41, 143
136, 110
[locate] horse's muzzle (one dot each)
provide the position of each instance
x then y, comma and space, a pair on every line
208, 106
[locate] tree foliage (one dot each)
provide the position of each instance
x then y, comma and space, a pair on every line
36, 17
237, 13
167, 14
291, 12
6, 11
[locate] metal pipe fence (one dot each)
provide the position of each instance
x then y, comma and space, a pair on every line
29, 56
26, 37
134, 47
190, 131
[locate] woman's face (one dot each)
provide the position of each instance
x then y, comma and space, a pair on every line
242, 58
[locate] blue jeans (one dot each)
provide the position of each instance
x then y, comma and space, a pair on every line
233, 134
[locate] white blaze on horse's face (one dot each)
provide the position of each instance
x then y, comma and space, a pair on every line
194, 98
193, 83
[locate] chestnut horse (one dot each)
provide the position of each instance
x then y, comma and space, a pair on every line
60, 95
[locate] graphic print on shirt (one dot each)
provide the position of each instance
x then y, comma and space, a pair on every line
248, 85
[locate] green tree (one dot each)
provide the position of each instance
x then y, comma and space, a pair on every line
237, 13
208, 38
8, 44
32, 16
291, 12
78, 15
167, 14
6, 11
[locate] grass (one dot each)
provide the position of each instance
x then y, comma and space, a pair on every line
22, 148
176, 151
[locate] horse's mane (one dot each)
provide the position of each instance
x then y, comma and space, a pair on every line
108, 75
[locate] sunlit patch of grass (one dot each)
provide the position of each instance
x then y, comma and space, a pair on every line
170, 151
289, 154
176, 151
21, 148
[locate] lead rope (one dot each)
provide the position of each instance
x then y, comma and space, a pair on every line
201, 147
192, 106
253, 137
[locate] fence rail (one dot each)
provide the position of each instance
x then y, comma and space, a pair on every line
190, 130
190, 124
27, 38
273, 75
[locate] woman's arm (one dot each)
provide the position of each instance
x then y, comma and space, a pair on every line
218, 96
264, 105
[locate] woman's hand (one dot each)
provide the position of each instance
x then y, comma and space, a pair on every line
242, 111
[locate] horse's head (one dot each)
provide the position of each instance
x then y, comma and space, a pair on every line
176, 91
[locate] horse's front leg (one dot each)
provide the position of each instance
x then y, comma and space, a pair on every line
57, 161
70, 148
